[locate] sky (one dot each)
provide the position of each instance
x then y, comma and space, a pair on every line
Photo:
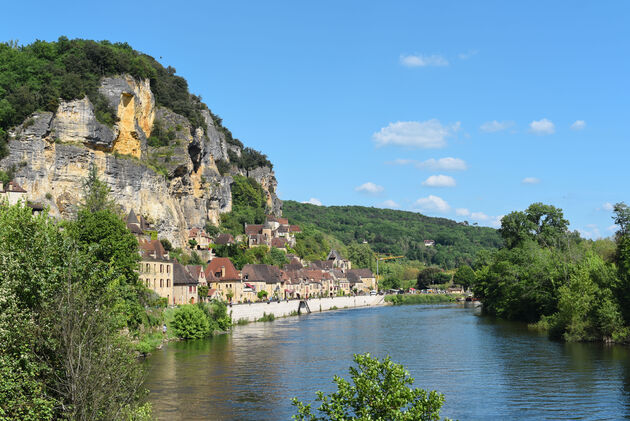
458, 109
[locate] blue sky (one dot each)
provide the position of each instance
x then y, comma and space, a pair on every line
466, 110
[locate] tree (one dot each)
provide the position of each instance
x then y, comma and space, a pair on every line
361, 255
190, 322
380, 390
464, 276
262, 294
543, 223
428, 277
96, 193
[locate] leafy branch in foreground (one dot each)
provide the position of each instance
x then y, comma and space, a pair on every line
380, 390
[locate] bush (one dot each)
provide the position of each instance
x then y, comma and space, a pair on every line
380, 390
267, 317
190, 322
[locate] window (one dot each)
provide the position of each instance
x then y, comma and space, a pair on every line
161, 268
168, 268
148, 268
168, 283
190, 288
161, 283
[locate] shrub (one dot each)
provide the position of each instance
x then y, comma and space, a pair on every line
380, 390
190, 322
267, 317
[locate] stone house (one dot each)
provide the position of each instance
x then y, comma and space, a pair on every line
12, 192
166, 277
338, 261
224, 239
223, 276
201, 238
138, 226
363, 279
264, 277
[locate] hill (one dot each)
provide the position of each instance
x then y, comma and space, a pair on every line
398, 232
68, 105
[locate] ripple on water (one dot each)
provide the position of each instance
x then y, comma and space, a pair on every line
485, 368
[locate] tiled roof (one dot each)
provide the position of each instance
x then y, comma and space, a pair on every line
215, 265
261, 273
223, 239
321, 264
278, 243
195, 270
134, 229
283, 221
181, 276
334, 254
295, 228
13, 187
132, 218
152, 247
294, 264
253, 229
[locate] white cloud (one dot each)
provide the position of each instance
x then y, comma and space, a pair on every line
442, 164
468, 54
390, 204
591, 231
495, 126
530, 180
370, 188
542, 127
479, 216
578, 125
439, 181
496, 221
612, 228
432, 204
420, 60
462, 212
608, 206
314, 201
418, 134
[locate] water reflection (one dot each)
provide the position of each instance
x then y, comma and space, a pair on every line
487, 369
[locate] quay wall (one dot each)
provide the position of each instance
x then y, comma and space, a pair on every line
254, 311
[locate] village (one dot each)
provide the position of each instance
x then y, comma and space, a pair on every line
183, 284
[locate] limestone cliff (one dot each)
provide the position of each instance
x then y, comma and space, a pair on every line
175, 186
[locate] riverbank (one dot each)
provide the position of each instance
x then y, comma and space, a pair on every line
421, 299
255, 311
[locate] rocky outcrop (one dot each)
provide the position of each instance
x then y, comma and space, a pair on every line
75, 122
176, 187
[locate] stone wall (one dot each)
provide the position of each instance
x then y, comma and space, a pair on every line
253, 312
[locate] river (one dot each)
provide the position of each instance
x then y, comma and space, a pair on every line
486, 369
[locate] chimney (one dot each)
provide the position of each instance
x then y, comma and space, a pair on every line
222, 271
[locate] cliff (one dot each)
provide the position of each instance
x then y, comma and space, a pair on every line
175, 183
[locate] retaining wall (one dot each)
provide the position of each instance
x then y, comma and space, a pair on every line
254, 311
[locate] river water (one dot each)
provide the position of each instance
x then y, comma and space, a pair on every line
486, 369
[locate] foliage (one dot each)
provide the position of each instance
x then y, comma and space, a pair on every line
396, 232
540, 222
575, 289
379, 390
404, 299
262, 294
429, 276
249, 159
464, 276
361, 256
166, 244
249, 205
190, 322
96, 193
61, 353
267, 317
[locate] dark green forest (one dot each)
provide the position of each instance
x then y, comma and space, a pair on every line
36, 77
546, 275
397, 232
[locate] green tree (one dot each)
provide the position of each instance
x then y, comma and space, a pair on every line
378, 390
464, 276
96, 193
190, 322
262, 294
428, 276
361, 255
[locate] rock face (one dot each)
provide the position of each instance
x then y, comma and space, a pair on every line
176, 187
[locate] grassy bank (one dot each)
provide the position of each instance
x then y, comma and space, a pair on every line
420, 299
